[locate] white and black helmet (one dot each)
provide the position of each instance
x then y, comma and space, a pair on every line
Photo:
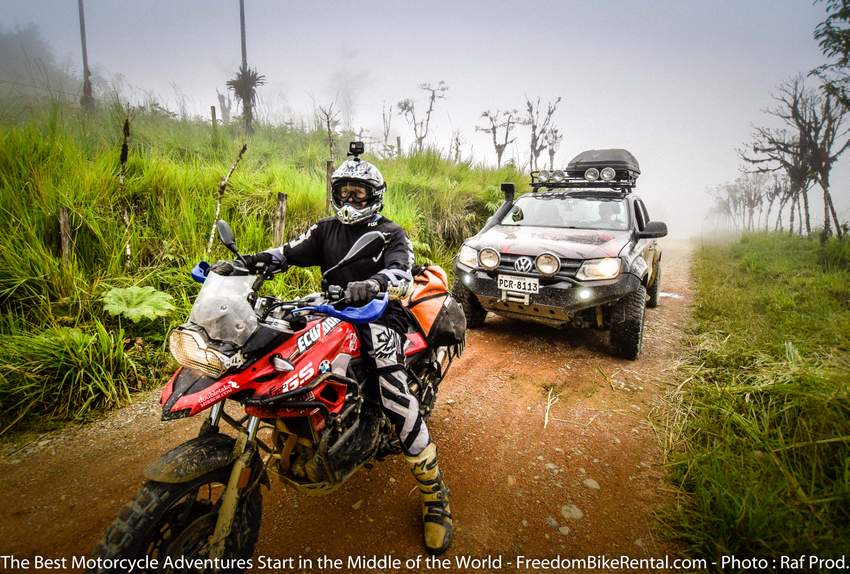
362, 173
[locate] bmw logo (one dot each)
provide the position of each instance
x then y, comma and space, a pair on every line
524, 264
324, 366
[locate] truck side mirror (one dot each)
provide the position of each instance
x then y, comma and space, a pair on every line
653, 230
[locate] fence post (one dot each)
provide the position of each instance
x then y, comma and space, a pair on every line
279, 220
329, 169
65, 234
212, 114
398, 145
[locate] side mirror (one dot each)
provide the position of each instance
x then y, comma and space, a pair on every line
509, 190
225, 235
652, 230
369, 245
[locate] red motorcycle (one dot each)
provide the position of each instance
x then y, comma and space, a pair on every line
309, 416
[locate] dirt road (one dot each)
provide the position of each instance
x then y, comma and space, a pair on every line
588, 484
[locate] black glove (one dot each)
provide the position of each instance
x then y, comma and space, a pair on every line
361, 292
262, 261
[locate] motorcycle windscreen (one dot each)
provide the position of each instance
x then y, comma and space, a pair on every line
223, 310
368, 313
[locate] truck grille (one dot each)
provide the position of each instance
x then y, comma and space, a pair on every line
569, 267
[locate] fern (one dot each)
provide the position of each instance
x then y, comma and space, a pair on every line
137, 303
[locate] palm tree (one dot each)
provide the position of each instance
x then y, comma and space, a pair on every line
244, 87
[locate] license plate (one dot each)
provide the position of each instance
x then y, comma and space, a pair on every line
520, 284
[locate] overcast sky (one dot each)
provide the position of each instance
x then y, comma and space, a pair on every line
678, 83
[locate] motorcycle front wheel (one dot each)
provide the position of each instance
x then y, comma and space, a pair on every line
167, 522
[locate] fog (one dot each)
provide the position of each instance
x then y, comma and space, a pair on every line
677, 83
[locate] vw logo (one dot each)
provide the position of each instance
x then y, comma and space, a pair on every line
524, 264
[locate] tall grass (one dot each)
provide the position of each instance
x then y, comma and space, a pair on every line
764, 453
53, 157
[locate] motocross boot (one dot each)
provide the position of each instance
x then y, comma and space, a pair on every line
436, 516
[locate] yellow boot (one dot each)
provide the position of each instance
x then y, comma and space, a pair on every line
436, 516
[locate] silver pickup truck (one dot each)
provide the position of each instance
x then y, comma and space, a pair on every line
578, 249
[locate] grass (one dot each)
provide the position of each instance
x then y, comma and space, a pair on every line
53, 157
763, 456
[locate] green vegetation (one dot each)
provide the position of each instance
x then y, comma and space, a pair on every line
764, 448
63, 354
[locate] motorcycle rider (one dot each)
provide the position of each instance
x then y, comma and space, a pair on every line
358, 197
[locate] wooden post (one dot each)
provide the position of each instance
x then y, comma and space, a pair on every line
398, 145
212, 114
279, 220
329, 169
65, 234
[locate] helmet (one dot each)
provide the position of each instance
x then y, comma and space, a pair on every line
362, 173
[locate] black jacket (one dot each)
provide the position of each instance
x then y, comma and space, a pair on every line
326, 243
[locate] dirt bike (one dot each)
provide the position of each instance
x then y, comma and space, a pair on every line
310, 416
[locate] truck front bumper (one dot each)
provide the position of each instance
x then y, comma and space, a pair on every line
557, 301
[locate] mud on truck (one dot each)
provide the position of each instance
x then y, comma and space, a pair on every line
579, 249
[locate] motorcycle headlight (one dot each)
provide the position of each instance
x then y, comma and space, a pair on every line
543, 176
190, 350
547, 264
468, 256
607, 268
489, 258
608, 174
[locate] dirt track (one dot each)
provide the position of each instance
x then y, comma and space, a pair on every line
510, 478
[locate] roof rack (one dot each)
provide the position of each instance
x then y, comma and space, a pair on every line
567, 181
614, 169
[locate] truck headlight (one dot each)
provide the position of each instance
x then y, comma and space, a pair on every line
468, 256
489, 258
547, 264
607, 268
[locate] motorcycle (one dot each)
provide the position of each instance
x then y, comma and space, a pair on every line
308, 415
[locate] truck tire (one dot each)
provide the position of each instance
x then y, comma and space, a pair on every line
475, 313
653, 291
627, 332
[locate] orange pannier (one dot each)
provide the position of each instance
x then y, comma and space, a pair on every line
439, 316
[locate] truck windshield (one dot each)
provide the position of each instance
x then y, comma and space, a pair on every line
579, 212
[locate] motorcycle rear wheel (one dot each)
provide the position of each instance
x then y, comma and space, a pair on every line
174, 520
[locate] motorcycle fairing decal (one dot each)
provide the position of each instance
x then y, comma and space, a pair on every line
295, 380
214, 395
186, 382
315, 332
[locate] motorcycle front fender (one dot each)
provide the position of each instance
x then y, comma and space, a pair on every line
193, 459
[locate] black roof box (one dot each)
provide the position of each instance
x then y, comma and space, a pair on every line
619, 159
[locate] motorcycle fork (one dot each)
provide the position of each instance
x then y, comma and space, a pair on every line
240, 477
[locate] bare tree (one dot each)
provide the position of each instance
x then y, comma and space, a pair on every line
552, 139
407, 108
329, 118
224, 105
454, 147
539, 127
824, 138
500, 120
778, 149
387, 150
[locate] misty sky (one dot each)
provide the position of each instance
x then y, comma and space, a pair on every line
678, 83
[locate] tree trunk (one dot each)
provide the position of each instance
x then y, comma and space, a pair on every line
767, 217
806, 210
799, 217
791, 224
838, 230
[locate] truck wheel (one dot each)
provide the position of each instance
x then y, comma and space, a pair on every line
475, 313
627, 332
653, 291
